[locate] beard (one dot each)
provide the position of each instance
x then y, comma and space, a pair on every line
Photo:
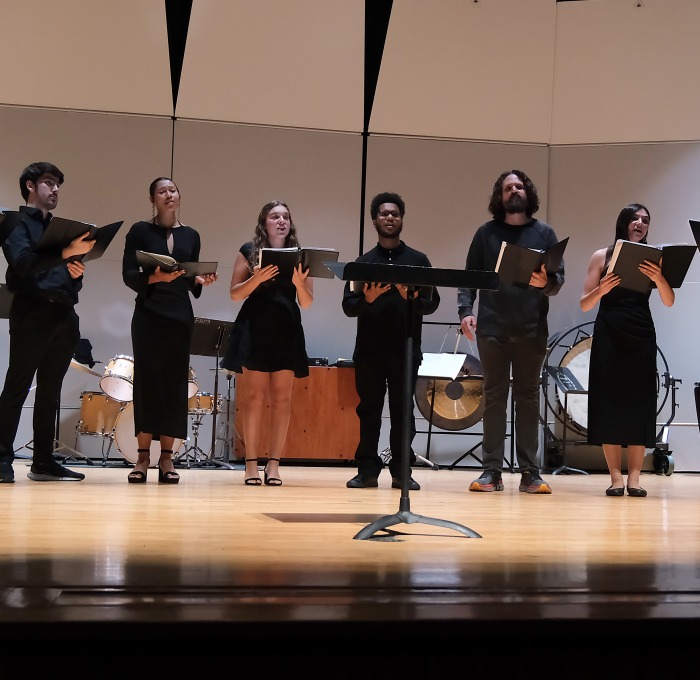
515, 204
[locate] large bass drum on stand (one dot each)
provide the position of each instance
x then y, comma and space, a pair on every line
572, 350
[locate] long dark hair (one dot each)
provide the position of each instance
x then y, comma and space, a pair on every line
627, 215
496, 203
260, 239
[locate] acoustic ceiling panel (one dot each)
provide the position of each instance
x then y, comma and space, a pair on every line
625, 71
275, 62
467, 70
95, 56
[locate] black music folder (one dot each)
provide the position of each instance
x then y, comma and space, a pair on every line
675, 259
149, 261
516, 264
313, 259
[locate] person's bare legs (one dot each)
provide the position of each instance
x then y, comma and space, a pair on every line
613, 457
281, 385
257, 388
635, 460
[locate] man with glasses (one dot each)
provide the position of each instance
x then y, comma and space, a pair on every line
43, 324
512, 330
380, 342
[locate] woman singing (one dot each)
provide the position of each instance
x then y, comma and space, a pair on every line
161, 328
622, 374
267, 343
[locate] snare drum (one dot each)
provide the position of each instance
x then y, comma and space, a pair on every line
118, 379
98, 414
192, 384
203, 403
126, 439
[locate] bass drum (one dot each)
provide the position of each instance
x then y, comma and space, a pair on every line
576, 357
126, 439
578, 361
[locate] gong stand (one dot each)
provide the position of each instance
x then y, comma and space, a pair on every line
210, 339
413, 278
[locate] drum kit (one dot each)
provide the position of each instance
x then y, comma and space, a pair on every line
109, 414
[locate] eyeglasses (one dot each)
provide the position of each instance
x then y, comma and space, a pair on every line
389, 213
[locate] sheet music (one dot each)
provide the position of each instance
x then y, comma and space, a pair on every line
441, 365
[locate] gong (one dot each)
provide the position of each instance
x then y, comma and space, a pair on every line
456, 404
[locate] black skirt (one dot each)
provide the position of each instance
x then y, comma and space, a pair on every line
161, 371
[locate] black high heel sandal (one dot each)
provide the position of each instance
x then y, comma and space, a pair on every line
169, 477
139, 476
252, 481
272, 481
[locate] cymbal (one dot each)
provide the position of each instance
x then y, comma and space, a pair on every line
456, 404
84, 368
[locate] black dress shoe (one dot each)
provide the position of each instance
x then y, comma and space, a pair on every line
413, 485
615, 491
362, 482
638, 492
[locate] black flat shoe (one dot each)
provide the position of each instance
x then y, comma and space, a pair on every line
615, 491
636, 492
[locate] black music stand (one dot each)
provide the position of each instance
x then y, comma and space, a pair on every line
210, 339
412, 277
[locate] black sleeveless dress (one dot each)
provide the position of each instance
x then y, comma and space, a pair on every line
267, 335
622, 381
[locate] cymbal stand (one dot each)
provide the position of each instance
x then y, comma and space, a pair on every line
224, 433
193, 452
208, 339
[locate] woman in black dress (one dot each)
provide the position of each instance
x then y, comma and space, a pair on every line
622, 373
161, 328
267, 343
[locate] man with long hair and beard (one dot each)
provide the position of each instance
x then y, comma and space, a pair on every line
512, 330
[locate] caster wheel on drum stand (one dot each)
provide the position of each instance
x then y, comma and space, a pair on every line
663, 463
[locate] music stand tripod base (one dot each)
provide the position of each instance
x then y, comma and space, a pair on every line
408, 517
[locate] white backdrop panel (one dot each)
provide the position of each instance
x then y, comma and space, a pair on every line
96, 56
467, 70
295, 64
625, 73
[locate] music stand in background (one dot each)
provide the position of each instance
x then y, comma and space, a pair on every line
210, 339
413, 277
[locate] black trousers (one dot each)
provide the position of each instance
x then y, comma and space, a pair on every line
43, 338
374, 375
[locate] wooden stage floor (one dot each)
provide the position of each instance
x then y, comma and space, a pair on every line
211, 560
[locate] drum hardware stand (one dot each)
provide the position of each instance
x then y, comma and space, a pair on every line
193, 452
224, 433
662, 458
210, 338
412, 278
568, 384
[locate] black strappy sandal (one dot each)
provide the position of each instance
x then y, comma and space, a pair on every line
139, 476
272, 481
252, 481
169, 477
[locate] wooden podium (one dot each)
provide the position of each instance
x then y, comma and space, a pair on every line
324, 424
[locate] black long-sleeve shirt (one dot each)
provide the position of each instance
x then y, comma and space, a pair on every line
29, 272
172, 299
381, 326
510, 311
